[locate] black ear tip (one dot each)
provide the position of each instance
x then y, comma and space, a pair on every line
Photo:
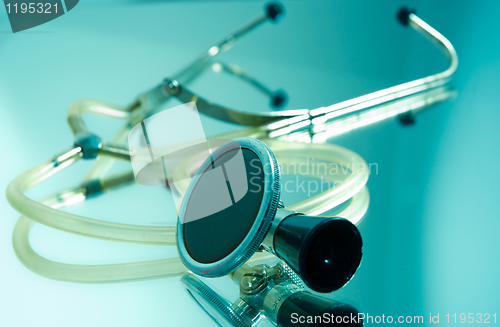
403, 15
407, 119
279, 99
274, 10
333, 254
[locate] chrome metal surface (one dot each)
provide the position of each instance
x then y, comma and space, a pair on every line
276, 297
247, 312
229, 115
254, 280
321, 132
115, 151
217, 307
268, 243
284, 122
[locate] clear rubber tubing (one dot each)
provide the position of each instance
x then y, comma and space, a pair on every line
352, 187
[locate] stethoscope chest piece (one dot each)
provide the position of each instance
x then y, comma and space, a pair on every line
228, 208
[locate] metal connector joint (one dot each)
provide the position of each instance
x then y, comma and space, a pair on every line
92, 187
172, 87
89, 143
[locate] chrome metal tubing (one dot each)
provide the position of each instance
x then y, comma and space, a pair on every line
240, 73
190, 72
115, 151
320, 133
411, 87
279, 123
226, 114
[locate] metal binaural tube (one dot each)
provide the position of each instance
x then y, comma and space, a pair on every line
410, 87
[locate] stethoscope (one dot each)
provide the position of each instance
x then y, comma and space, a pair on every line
288, 135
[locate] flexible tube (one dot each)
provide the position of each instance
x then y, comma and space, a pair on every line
89, 273
79, 225
329, 153
116, 272
161, 235
81, 106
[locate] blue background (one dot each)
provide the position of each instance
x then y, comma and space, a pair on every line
431, 232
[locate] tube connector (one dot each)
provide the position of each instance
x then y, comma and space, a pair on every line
89, 143
404, 14
172, 87
92, 187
